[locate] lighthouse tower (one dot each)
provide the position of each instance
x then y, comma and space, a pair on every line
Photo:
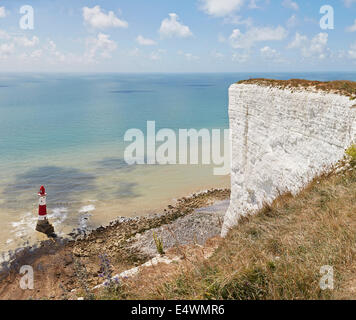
42, 224
42, 204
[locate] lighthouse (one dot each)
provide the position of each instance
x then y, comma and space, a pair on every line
43, 224
42, 204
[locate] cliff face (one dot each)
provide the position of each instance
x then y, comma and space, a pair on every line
282, 138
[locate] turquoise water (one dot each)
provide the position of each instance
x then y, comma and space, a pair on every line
53, 126
66, 131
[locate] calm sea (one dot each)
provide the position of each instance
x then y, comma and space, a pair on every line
66, 131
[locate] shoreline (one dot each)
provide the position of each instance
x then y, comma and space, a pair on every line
116, 240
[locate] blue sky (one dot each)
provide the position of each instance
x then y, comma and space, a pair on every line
177, 36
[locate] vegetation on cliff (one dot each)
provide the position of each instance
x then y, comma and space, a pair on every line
346, 88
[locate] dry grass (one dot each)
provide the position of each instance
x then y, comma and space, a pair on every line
347, 88
276, 254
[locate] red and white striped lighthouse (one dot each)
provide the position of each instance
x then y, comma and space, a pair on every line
42, 204
43, 224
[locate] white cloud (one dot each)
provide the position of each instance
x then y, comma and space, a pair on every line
3, 12
290, 5
157, 55
100, 46
269, 53
316, 47
52, 46
238, 20
188, 56
36, 54
134, 52
217, 55
145, 41
6, 49
341, 54
239, 40
240, 57
96, 18
292, 21
54, 53
56, 57
26, 42
253, 4
4, 35
348, 3
154, 56
220, 8
171, 27
352, 51
352, 28
221, 38
298, 41
312, 21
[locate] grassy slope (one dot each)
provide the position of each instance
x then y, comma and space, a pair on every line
276, 254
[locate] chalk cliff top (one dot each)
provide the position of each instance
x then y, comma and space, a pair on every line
346, 88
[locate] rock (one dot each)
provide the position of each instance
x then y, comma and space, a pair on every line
68, 260
45, 227
80, 252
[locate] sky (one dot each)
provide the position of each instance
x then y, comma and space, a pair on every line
177, 35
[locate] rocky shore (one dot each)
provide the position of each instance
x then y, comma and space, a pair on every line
62, 265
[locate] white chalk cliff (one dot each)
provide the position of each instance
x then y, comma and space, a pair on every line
281, 138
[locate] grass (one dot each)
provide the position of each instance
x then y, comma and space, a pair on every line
347, 88
159, 244
275, 254
351, 152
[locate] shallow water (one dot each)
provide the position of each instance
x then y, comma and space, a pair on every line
66, 131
